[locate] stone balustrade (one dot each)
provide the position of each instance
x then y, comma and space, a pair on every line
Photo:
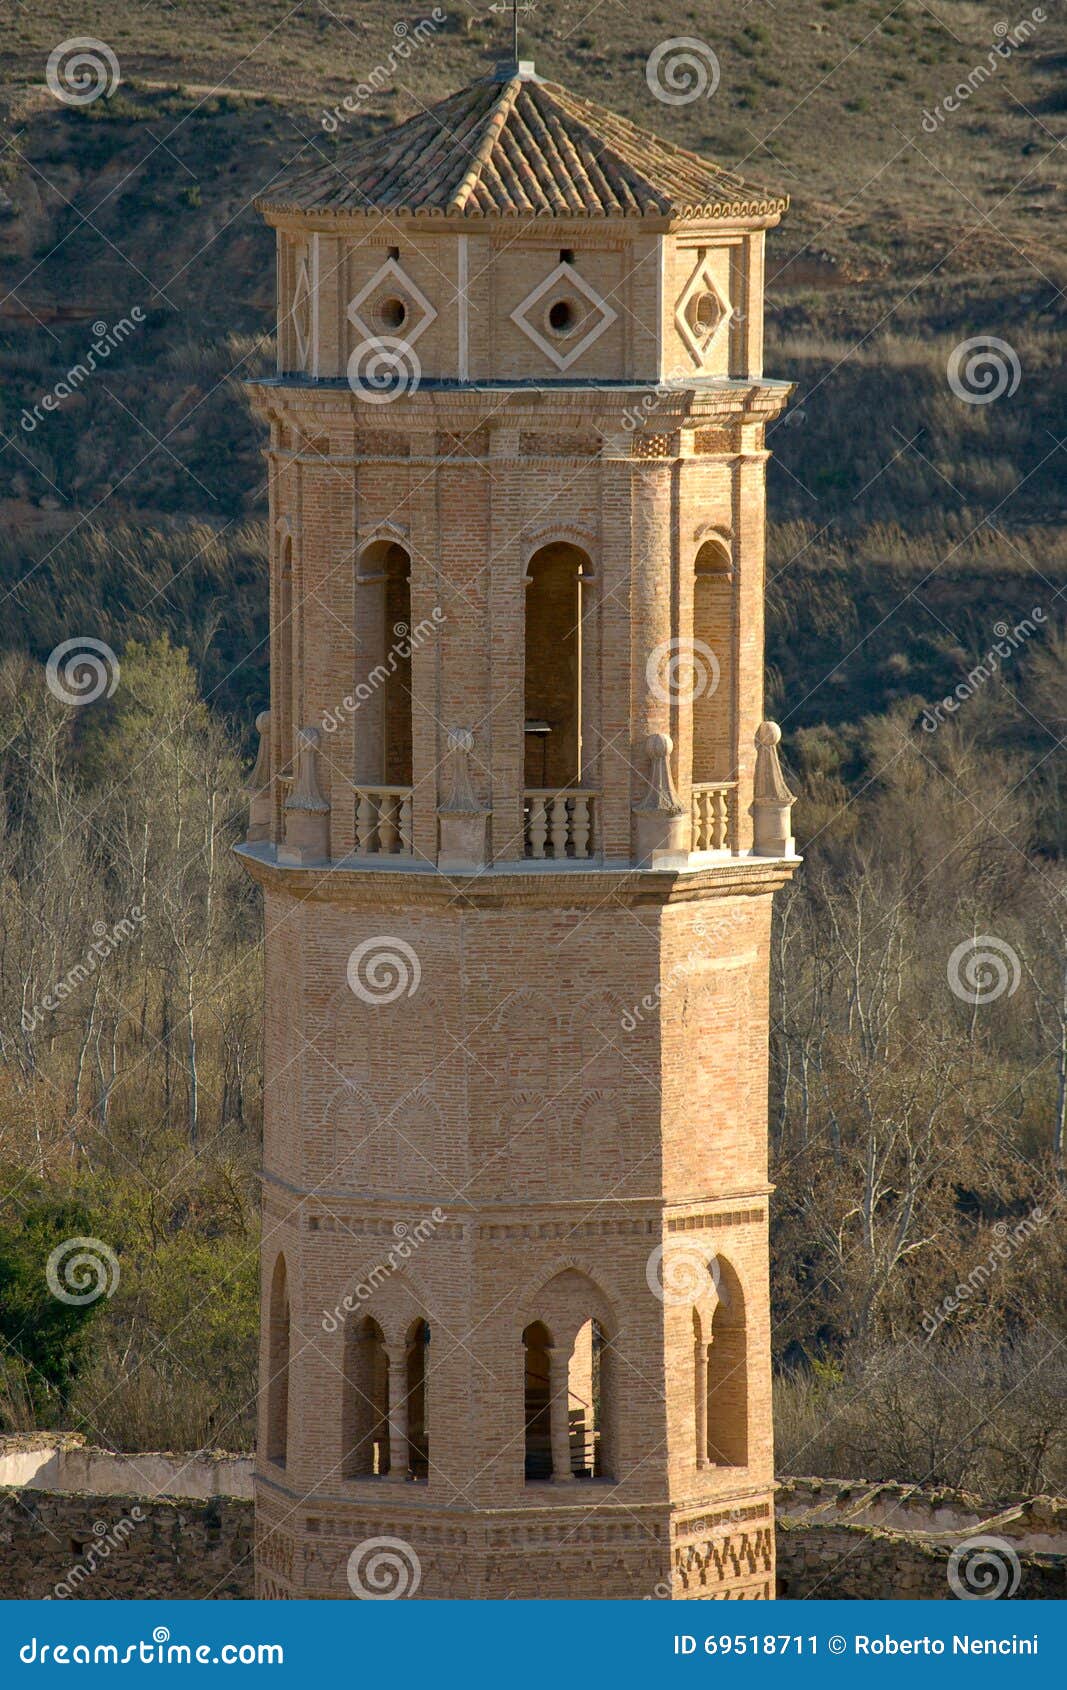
383, 821
559, 824
710, 803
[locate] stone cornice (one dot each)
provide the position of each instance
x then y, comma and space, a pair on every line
476, 1212
606, 407
356, 886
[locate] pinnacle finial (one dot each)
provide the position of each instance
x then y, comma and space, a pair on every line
509, 68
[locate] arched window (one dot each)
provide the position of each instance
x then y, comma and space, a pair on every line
560, 656
727, 1364
537, 1343
285, 702
365, 1415
713, 639
278, 1366
418, 1422
383, 666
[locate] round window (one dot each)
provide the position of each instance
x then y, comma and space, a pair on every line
562, 316
393, 313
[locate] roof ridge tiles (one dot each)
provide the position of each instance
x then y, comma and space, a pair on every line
519, 146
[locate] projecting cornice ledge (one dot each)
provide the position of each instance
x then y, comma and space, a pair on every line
507, 886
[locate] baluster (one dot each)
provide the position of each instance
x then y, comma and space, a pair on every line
700, 810
537, 827
694, 818
365, 817
405, 824
558, 825
388, 832
718, 800
581, 824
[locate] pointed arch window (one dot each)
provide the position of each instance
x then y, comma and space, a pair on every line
278, 1347
365, 1416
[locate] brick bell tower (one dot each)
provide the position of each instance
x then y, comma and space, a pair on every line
518, 823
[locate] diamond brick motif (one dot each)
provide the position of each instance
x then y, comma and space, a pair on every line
391, 286
701, 311
565, 281
302, 313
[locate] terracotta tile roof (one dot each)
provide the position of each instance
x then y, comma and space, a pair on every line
519, 147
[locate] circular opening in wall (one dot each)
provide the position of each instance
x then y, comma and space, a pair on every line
708, 311
393, 313
562, 316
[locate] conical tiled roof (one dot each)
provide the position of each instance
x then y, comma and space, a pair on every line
515, 146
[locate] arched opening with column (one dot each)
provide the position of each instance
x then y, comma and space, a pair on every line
714, 749
727, 1373
365, 1448
569, 1386
383, 773
278, 1347
561, 701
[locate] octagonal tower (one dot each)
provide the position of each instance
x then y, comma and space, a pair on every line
518, 822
